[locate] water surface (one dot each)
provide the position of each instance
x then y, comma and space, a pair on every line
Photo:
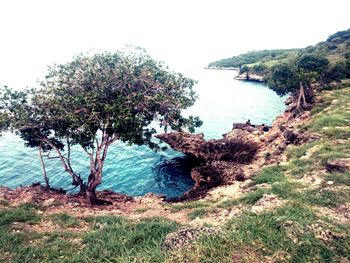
136, 170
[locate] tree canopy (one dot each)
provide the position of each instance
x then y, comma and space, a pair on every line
95, 100
297, 75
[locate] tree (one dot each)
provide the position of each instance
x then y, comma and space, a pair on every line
17, 114
96, 100
297, 77
336, 72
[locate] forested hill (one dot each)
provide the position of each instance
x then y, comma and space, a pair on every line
336, 48
250, 57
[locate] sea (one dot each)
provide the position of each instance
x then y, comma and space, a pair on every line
137, 170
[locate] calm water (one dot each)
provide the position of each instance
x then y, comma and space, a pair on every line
137, 170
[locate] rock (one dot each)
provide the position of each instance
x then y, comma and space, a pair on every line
330, 182
291, 136
186, 236
234, 149
338, 165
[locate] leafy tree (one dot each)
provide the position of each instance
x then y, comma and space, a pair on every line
260, 68
336, 72
93, 101
283, 78
18, 114
297, 76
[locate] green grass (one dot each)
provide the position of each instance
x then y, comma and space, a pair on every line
11, 241
281, 235
110, 239
270, 175
50, 247
66, 220
8, 216
324, 197
121, 240
338, 178
331, 117
189, 205
199, 212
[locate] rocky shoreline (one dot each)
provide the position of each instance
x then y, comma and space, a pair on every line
238, 156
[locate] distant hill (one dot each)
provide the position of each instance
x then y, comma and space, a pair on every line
252, 57
335, 48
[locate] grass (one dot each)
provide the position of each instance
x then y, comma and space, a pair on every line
323, 197
122, 240
270, 174
110, 239
338, 178
65, 220
197, 213
281, 236
21, 215
11, 241
189, 205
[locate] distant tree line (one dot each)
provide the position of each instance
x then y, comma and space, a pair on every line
252, 57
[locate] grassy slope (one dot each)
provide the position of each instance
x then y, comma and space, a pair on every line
302, 229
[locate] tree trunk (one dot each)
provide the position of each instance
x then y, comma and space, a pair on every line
78, 181
309, 93
93, 181
46, 179
301, 96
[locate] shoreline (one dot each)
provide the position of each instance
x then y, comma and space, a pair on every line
227, 172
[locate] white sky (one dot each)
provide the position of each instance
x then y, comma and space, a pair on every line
185, 34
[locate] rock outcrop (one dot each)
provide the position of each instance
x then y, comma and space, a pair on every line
240, 149
217, 161
241, 153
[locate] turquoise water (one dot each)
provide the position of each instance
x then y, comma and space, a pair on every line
137, 170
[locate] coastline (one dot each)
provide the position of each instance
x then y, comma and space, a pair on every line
221, 172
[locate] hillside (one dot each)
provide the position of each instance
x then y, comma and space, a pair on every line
294, 211
334, 48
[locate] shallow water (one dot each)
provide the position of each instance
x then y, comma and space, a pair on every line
136, 170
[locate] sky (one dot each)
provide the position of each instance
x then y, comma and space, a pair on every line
186, 35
